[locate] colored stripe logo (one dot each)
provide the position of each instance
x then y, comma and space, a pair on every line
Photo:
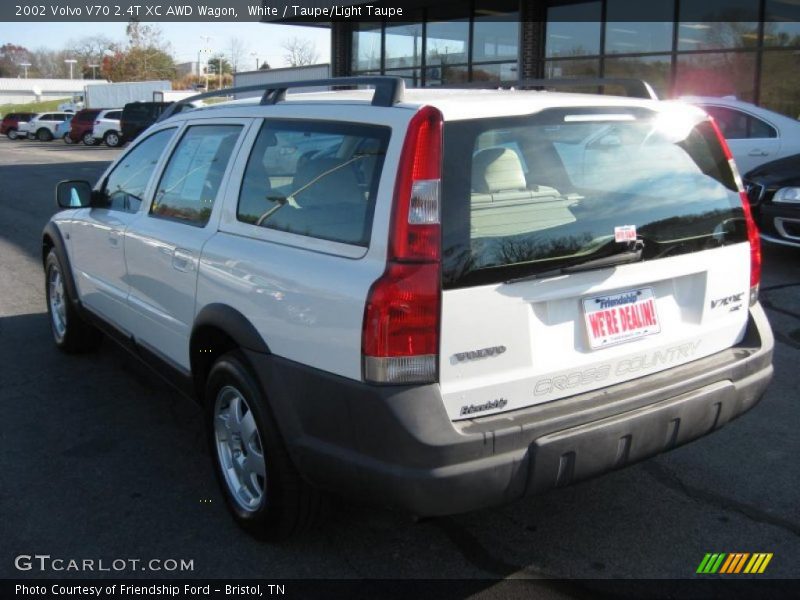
734, 563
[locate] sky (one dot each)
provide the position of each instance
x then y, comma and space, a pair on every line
261, 38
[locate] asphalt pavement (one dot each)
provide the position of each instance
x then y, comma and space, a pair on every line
99, 459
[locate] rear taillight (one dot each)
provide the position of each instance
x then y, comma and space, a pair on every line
752, 229
400, 338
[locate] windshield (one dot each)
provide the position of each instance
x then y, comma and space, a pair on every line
527, 195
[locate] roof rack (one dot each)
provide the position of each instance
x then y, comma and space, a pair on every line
388, 91
635, 88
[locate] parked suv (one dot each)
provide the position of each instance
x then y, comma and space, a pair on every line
138, 116
448, 299
82, 125
11, 122
107, 127
42, 126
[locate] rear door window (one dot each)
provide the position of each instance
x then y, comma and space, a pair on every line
315, 179
737, 125
193, 175
526, 195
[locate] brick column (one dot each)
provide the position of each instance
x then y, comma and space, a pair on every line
532, 15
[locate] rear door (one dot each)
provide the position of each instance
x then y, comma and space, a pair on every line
583, 248
752, 141
163, 247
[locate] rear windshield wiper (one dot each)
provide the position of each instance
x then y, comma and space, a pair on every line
632, 252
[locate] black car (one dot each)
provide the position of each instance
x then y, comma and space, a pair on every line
774, 193
138, 116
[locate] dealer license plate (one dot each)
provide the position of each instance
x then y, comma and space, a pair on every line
621, 317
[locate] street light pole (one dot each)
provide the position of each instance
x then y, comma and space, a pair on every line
207, 52
255, 55
70, 62
94, 70
25, 66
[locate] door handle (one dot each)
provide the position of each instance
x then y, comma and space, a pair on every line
183, 260
757, 152
113, 239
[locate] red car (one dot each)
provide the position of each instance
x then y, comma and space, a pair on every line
81, 128
10, 124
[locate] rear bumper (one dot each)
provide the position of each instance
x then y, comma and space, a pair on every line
396, 446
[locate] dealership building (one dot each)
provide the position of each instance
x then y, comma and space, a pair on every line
746, 48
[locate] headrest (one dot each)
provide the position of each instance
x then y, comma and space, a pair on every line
496, 170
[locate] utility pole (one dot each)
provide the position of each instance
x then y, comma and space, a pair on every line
255, 55
25, 66
207, 52
94, 70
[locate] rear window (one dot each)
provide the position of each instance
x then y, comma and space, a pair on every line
528, 195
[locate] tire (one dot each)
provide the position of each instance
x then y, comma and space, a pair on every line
112, 139
89, 140
70, 332
44, 135
263, 490
67, 139
12, 134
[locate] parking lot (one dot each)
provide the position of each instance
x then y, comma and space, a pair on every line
101, 459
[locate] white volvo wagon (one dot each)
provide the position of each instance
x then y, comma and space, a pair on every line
436, 300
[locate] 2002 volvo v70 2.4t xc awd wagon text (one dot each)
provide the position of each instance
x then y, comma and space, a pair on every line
437, 300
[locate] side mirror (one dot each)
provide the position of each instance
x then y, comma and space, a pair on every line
73, 193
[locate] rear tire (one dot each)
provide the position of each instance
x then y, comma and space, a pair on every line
67, 139
44, 135
12, 134
263, 490
89, 140
70, 332
112, 139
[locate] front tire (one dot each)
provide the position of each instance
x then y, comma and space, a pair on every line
67, 139
262, 488
70, 332
112, 139
44, 135
89, 140
12, 134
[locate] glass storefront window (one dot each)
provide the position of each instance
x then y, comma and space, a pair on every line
445, 73
780, 87
716, 74
573, 30
367, 47
495, 72
627, 36
403, 45
446, 42
782, 23
717, 24
413, 77
583, 67
495, 30
655, 70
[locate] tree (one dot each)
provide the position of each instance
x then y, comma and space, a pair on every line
145, 56
47, 63
237, 48
87, 51
264, 66
10, 58
299, 52
219, 59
